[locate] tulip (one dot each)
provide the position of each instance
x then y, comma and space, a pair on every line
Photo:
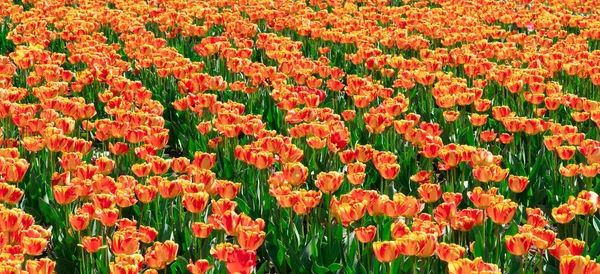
502, 212
199, 267
365, 234
518, 244
450, 252
430, 193
517, 184
386, 252
329, 182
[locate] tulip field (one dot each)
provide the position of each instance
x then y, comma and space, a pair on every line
288, 136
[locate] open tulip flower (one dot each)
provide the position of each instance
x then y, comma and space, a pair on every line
292, 136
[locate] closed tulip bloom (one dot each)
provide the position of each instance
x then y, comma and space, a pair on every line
450, 252
351, 212
223, 205
109, 216
145, 194
167, 251
262, 159
450, 197
79, 222
118, 148
141, 170
204, 160
41, 266
572, 264
228, 189
387, 251
348, 115
462, 266
347, 156
295, 173
169, 189
201, 230
250, 240
502, 212
565, 152
364, 153
418, 244
450, 115
430, 193
365, 234
505, 138
462, 223
10, 219
123, 268
517, 184
123, 244
199, 267
518, 244
196, 202
389, 171
356, 178
329, 182
64, 195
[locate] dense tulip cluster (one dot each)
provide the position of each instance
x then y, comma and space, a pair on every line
359, 136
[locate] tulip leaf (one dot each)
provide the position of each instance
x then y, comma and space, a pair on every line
594, 250
515, 265
479, 249
548, 269
263, 268
335, 267
319, 269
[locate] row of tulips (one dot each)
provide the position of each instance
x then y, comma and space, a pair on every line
112, 115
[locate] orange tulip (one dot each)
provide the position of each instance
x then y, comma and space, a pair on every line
518, 244
543, 238
250, 240
430, 193
450, 252
123, 243
329, 182
199, 267
241, 261
417, 244
564, 213
565, 152
295, 173
502, 212
482, 199
568, 246
517, 184
389, 171
41, 266
386, 252
570, 264
399, 229
365, 234
201, 230
196, 202
79, 222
